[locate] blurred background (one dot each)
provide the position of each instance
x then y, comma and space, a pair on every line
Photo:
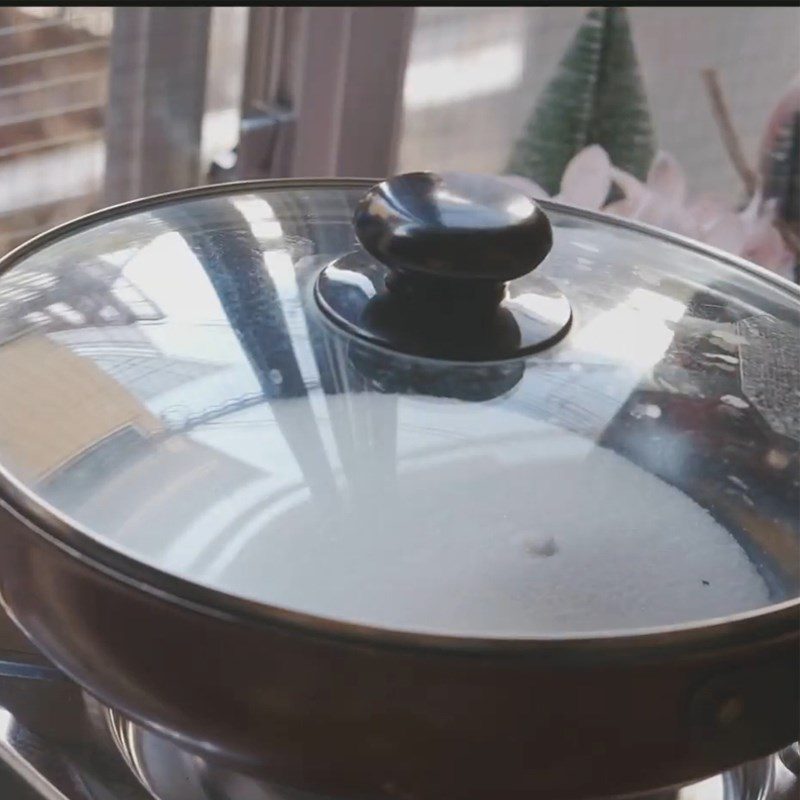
699, 107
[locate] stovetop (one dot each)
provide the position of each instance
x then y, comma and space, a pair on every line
64, 745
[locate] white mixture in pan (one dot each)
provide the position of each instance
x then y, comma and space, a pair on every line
420, 514
535, 530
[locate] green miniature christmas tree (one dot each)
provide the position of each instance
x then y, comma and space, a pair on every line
595, 97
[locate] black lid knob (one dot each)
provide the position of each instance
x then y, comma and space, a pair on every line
438, 278
460, 226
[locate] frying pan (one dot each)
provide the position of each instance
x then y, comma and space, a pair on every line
353, 709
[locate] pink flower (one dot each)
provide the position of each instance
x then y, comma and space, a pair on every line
663, 201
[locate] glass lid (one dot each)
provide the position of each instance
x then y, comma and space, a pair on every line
369, 407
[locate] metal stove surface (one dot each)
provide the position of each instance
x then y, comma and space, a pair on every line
63, 745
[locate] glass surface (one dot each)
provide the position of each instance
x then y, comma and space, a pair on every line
170, 385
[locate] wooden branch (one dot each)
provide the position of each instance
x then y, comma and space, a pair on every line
729, 138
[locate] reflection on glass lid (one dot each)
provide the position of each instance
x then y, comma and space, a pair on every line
171, 387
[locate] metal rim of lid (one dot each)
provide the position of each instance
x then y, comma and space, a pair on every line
635, 645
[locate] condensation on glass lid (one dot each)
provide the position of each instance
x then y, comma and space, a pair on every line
535, 531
